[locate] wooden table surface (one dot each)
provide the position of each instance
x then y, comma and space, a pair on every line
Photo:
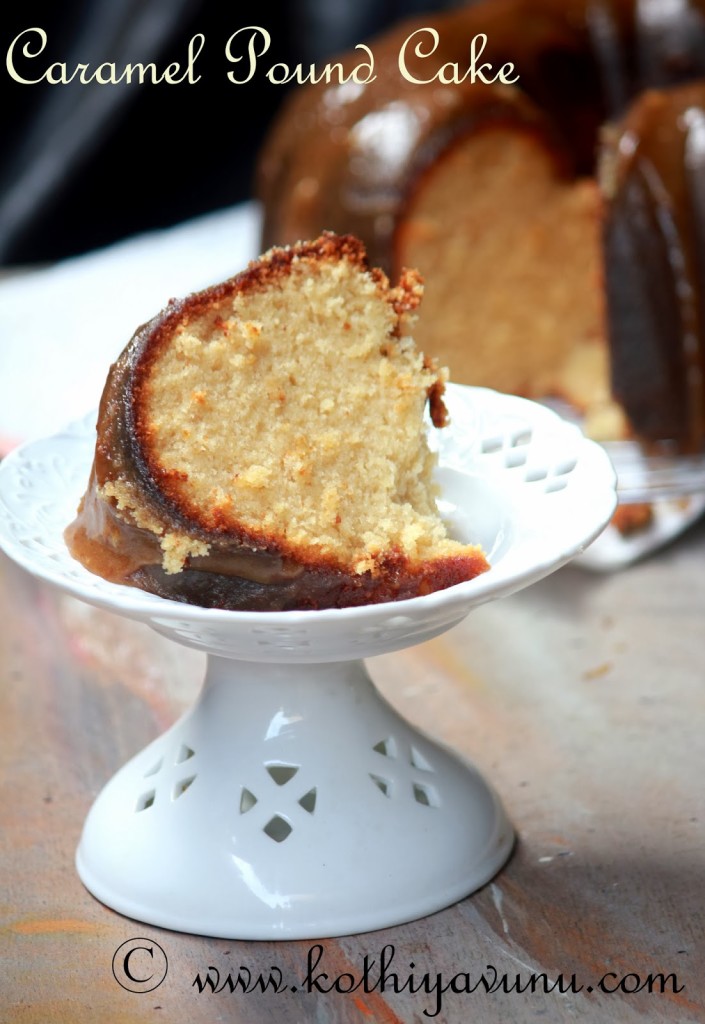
582, 698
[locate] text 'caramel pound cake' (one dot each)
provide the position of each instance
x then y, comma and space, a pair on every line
261, 445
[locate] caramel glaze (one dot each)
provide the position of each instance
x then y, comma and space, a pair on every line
348, 156
655, 245
243, 570
239, 577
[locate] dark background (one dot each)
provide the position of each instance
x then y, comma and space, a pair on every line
84, 165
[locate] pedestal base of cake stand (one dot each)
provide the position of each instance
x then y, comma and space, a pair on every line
291, 802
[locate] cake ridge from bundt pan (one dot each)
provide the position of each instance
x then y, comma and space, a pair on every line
261, 445
496, 193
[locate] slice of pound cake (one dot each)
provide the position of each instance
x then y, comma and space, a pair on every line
261, 445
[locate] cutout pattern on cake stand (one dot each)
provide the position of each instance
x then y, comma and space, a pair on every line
293, 801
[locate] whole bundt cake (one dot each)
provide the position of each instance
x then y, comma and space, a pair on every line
559, 223
262, 445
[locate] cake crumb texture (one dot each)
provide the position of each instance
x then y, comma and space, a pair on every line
294, 412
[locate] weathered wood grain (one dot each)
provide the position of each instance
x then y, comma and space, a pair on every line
582, 698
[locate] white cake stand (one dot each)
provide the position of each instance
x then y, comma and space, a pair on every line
292, 801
